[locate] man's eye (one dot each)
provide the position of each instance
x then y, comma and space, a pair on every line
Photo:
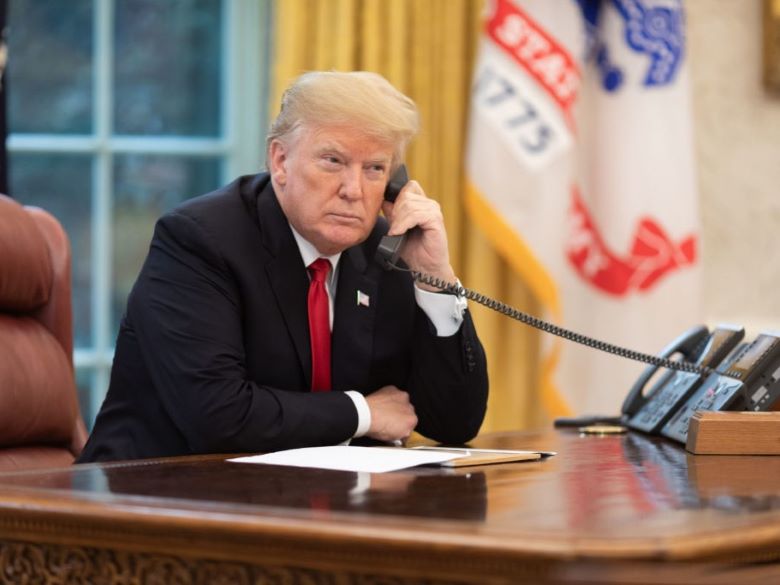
376, 170
332, 160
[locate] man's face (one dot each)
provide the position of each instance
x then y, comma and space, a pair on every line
330, 181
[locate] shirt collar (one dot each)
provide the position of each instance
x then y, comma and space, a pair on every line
309, 253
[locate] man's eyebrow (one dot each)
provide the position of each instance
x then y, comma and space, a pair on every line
382, 160
329, 147
335, 148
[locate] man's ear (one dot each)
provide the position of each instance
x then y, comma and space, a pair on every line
277, 159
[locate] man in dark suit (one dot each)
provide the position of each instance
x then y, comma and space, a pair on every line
229, 344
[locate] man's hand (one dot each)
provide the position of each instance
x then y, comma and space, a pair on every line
425, 249
392, 415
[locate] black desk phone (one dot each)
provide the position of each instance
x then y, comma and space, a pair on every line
704, 370
748, 379
745, 377
649, 412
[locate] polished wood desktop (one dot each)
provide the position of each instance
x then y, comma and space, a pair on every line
606, 509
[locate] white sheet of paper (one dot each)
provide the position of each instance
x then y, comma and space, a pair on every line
348, 458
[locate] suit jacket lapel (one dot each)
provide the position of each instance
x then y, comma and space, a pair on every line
353, 323
287, 275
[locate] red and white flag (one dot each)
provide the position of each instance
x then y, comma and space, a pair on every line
581, 172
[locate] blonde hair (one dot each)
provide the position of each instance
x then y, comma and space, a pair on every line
361, 99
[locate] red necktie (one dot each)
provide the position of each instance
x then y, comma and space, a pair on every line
319, 325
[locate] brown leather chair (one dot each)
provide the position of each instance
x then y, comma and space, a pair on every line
40, 422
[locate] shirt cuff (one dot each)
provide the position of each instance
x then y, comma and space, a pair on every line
363, 412
444, 311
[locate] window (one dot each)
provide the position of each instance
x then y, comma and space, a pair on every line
118, 110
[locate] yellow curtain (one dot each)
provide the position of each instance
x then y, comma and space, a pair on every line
426, 48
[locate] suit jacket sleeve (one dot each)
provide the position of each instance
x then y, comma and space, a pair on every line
186, 312
448, 381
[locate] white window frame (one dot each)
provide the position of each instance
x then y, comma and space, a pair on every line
244, 91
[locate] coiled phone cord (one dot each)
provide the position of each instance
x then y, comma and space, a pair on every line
505, 309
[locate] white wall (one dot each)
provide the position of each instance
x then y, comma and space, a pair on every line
738, 156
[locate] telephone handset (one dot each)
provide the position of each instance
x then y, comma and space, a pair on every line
389, 249
655, 408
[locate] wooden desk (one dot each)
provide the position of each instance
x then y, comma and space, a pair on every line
605, 510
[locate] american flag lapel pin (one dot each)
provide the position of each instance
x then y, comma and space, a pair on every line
362, 299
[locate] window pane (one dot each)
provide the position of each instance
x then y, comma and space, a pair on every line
146, 186
167, 67
62, 185
50, 66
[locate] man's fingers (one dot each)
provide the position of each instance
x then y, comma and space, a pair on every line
409, 214
392, 414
